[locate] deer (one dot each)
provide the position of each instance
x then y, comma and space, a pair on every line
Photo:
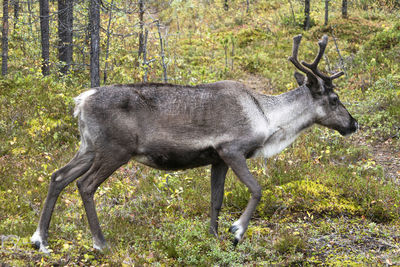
175, 127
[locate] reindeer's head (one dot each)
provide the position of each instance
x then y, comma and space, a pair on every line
330, 112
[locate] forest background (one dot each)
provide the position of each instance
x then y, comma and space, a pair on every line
326, 199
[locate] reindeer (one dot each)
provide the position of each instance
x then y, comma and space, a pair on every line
173, 127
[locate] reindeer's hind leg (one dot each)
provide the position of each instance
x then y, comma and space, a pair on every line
218, 173
79, 164
104, 165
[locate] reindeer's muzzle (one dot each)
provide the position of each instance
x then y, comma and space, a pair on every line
351, 128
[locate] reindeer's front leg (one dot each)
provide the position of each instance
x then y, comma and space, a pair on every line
218, 173
237, 161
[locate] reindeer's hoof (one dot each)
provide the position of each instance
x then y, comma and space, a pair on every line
235, 242
97, 247
42, 248
213, 231
38, 243
238, 231
100, 245
233, 229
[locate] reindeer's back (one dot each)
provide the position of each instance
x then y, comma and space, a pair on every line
173, 114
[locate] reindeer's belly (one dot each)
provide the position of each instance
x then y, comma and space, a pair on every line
166, 158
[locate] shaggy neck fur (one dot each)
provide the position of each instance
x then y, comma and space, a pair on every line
287, 116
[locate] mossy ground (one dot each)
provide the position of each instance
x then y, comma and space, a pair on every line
327, 200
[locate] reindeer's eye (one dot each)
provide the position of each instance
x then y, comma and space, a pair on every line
334, 101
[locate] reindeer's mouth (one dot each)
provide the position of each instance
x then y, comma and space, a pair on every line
352, 128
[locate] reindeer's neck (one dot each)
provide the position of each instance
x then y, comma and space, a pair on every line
293, 110
287, 116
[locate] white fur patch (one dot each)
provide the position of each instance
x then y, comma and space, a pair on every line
211, 141
96, 247
257, 119
278, 143
280, 125
85, 136
59, 178
240, 230
37, 238
80, 101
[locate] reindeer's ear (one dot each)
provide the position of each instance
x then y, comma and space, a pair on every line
311, 81
300, 78
313, 84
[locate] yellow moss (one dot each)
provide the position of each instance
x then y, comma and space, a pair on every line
258, 231
307, 195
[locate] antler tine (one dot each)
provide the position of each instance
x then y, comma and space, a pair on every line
337, 75
295, 51
314, 66
322, 45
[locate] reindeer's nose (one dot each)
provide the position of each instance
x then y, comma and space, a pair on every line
354, 126
351, 128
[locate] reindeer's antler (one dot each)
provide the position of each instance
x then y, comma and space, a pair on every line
313, 67
295, 51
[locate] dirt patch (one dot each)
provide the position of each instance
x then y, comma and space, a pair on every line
259, 84
385, 154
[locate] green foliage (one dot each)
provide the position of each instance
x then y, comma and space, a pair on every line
379, 4
247, 36
256, 63
289, 243
386, 39
297, 21
187, 242
381, 120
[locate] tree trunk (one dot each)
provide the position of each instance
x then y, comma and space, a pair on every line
145, 62
108, 42
65, 33
226, 6
344, 9
45, 35
306, 14
94, 20
16, 12
4, 39
291, 8
326, 12
164, 66
141, 31
30, 17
